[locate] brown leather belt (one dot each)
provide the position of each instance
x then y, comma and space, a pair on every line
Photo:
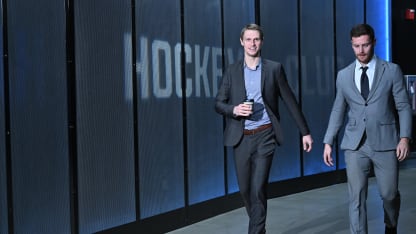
256, 130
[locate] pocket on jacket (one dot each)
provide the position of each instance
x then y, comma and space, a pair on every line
387, 123
387, 134
387, 128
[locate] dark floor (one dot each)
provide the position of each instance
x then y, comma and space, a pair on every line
319, 211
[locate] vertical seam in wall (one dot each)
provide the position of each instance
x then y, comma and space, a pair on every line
223, 69
71, 105
7, 123
184, 115
257, 12
135, 110
300, 81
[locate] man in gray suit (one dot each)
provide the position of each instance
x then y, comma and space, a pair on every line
374, 95
254, 130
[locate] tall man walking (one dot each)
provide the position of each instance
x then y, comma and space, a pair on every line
373, 93
255, 130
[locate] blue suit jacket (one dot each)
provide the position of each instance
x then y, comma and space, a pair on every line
274, 85
385, 116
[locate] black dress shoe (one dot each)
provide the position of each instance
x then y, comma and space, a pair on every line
390, 230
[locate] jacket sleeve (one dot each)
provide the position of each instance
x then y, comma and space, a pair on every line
222, 105
401, 99
336, 118
289, 99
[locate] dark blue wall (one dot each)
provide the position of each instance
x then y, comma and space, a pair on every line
160, 107
38, 116
110, 106
104, 114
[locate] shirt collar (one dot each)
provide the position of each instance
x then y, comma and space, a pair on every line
257, 66
371, 65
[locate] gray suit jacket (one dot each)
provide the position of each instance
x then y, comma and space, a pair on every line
385, 116
274, 85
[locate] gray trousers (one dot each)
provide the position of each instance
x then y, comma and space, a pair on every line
385, 164
253, 158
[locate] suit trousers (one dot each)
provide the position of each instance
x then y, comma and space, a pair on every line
253, 158
385, 165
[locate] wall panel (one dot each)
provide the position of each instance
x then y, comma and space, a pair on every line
105, 130
378, 15
204, 70
317, 64
3, 168
38, 113
160, 109
280, 24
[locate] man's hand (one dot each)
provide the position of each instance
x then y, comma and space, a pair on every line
327, 155
402, 150
307, 143
242, 110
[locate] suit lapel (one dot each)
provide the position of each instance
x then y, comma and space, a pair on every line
240, 82
351, 80
378, 73
263, 73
